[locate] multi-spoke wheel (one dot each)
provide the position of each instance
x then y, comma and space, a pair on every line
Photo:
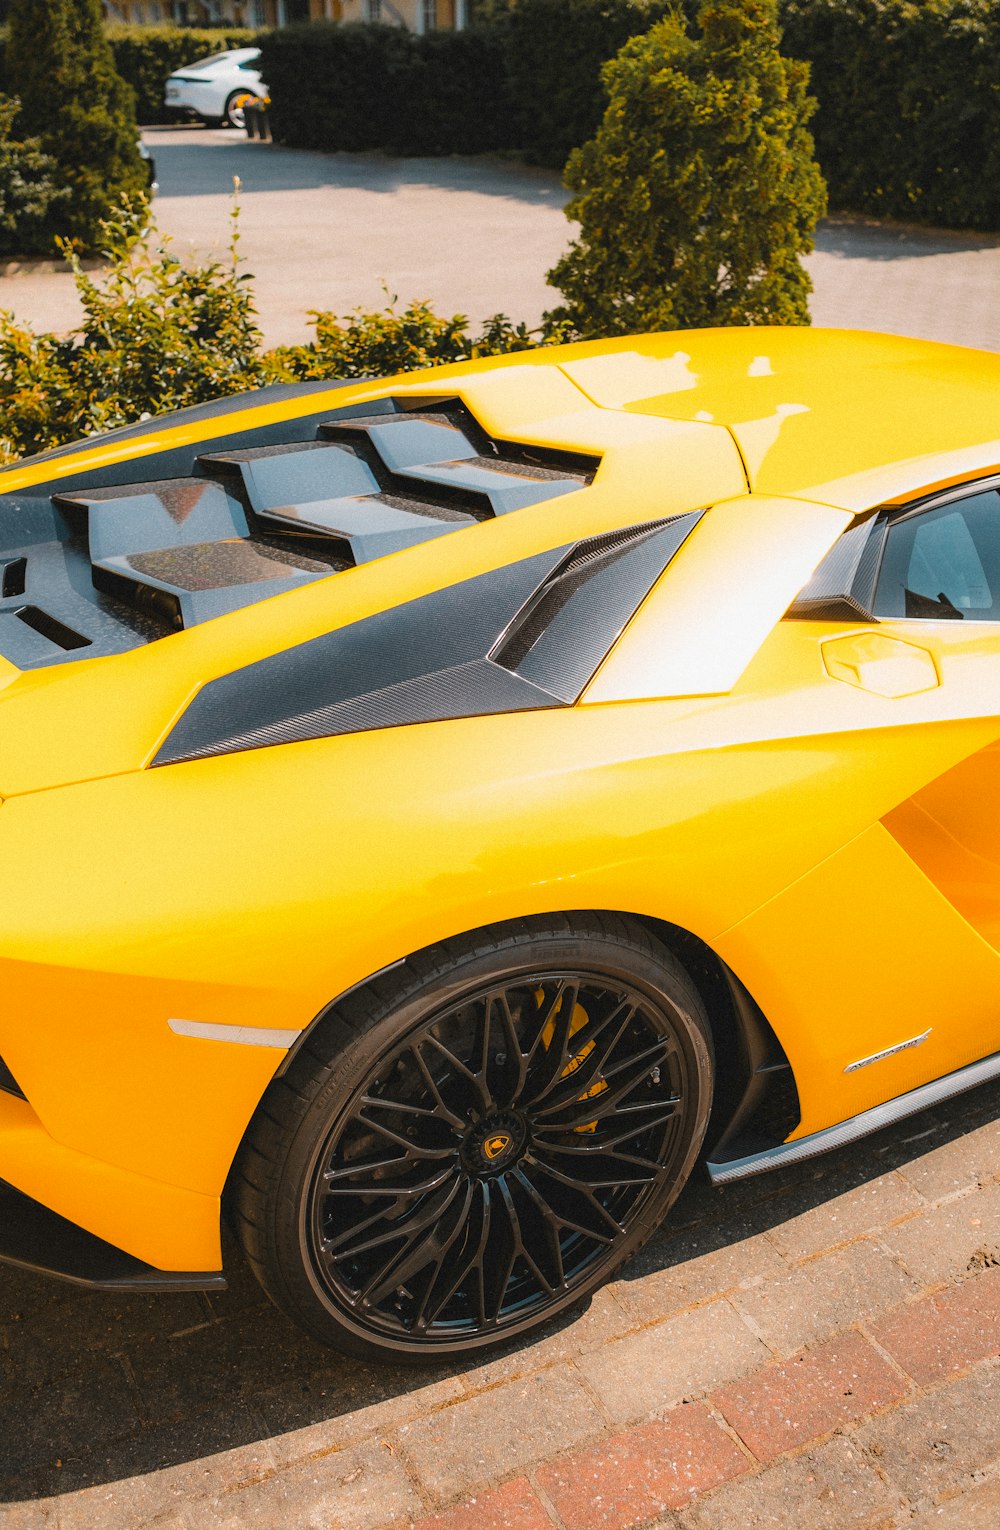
455, 1159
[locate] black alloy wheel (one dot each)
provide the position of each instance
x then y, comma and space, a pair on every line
490, 1150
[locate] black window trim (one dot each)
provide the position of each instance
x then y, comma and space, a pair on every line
852, 605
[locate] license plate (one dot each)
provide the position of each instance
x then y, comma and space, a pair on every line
172, 91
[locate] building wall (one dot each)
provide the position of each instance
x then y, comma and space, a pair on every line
417, 15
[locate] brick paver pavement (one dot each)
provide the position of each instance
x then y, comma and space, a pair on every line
817, 1349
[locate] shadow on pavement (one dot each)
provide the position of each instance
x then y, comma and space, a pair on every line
98, 1388
864, 239
202, 162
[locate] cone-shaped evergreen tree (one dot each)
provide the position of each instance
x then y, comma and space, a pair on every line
699, 191
60, 64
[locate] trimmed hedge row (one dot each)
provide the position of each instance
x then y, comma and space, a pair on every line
909, 92
144, 56
528, 80
908, 124
359, 86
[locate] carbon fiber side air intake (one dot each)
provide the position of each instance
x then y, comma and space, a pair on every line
519, 638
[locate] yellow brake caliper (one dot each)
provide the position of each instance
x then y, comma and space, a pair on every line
579, 1020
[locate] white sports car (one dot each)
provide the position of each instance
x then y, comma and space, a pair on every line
215, 89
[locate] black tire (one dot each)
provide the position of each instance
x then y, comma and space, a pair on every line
541, 1090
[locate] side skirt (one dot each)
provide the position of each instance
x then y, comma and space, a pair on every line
36, 1239
858, 1126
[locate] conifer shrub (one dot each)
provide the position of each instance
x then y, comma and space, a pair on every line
60, 64
28, 191
699, 192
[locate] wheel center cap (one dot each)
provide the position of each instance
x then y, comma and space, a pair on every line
495, 1143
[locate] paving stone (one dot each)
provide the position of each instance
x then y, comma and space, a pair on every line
942, 1334
939, 1442
829, 1488
29, 1515
352, 1418
363, 1488
515, 1506
636, 1475
825, 1295
978, 1509
695, 1264
949, 1239
788, 1404
972, 1158
683, 1357
851, 1214
507, 1429
603, 1319
156, 1476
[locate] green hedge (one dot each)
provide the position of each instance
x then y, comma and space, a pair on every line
555, 53
144, 56
358, 86
909, 105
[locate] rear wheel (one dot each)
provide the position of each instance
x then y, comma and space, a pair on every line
233, 116
462, 1152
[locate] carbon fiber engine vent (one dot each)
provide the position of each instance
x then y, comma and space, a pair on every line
104, 566
518, 638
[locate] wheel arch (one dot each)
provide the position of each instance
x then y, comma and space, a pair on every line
756, 1100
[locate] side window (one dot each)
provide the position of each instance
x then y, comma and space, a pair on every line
944, 562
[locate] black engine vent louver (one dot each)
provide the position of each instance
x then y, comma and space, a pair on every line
106, 565
519, 638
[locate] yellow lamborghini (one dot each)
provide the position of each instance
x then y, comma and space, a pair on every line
438, 811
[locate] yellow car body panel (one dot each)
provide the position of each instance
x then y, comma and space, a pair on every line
796, 798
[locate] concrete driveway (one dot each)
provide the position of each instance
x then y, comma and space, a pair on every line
476, 237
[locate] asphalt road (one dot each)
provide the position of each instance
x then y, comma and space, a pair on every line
476, 237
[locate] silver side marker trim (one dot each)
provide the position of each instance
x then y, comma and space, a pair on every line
858, 1126
901, 1046
242, 1035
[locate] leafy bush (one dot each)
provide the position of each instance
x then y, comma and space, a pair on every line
699, 192
144, 56
73, 100
28, 192
157, 334
908, 123
160, 334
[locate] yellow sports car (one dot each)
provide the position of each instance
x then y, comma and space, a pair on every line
438, 811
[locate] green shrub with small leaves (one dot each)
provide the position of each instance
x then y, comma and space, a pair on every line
159, 333
699, 192
60, 65
28, 191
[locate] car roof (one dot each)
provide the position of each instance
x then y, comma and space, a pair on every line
847, 417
